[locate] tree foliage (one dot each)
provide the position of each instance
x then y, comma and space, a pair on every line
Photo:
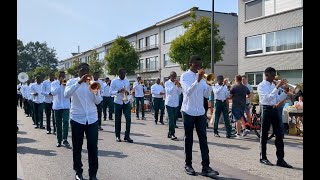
197, 41
122, 55
95, 64
35, 57
73, 70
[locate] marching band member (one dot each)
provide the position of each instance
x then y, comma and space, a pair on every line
120, 87
38, 100
83, 119
61, 109
46, 91
173, 91
107, 100
158, 92
194, 88
96, 76
138, 89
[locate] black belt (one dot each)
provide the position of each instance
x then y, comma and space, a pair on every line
269, 106
220, 100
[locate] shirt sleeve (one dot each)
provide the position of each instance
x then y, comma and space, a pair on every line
55, 88
187, 86
71, 87
264, 95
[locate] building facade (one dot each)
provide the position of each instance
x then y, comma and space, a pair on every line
271, 34
153, 43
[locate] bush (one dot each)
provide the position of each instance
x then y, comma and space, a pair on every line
255, 99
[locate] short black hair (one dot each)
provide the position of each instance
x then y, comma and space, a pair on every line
121, 69
269, 70
96, 72
62, 72
107, 78
194, 58
219, 77
82, 64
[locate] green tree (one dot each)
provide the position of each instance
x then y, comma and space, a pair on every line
33, 55
73, 70
122, 55
95, 64
197, 41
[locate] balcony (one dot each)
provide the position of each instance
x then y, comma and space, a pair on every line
147, 48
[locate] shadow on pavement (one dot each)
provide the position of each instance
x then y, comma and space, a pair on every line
21, 140
133, 134
226, 145
221, 178
161, 146
25, 150
21, 132
140, 123
108, 153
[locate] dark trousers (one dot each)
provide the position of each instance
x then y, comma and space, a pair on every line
206, 106
20, 100
141, 100
38, 113
126, 110
99, 109
158, 103
107, 103
31, 110
269, 115
200, 122
221, 107
48, 109
173, 117
26, 106
91, 131
62, 123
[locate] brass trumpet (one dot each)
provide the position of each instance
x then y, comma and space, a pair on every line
209, 78
64, 82
125, 96
177, 83
94, 87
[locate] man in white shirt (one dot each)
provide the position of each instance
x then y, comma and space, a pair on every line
268, 97
120, 87
138, 89
30, 101
221, 95
194, 88
61, 108
96, 76
157, 91
38, 100
83, 119
19, 96
46, 91
173, 91
107, 100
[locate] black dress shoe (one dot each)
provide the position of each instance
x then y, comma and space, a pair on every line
169, 135
209, 172
79, 177
155, 122
128, 139
173, 137
216, 135
189, 170
118, 139
176, 126
48, 132
42, 127
66, 143
143, 118
58, 144
282, 163
162, 123
266, 162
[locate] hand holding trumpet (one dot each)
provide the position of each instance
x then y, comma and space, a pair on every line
281, 83
200, 74
177, 83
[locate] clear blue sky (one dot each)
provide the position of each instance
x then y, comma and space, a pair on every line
65, 24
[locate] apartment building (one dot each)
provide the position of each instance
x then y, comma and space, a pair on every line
271, 34
153, 43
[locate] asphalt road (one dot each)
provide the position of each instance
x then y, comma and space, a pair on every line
152, 155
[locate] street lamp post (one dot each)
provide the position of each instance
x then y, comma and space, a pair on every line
212, 38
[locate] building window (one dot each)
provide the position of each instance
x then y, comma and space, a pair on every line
173, 33
166, 60
101, 56
152, 41
152, 63
141, 64
260, 8
284, 40
254, 45
255, 78
141, 45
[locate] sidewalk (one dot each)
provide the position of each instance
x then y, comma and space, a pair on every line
20, 175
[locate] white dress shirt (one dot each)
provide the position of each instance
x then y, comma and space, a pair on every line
46, 89
220, 92
156, 89
116, 85
268, 93
83, 102
138, 89
37, 88
59, 101
23, 91
172, 94
106, 90
193, 93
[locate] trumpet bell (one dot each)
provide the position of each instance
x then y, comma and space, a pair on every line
209, 78
94, 87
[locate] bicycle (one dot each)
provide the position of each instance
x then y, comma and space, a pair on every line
253, 123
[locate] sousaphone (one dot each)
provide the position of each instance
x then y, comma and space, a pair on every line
23, 77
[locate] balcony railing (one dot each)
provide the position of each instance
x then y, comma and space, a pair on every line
147, 48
